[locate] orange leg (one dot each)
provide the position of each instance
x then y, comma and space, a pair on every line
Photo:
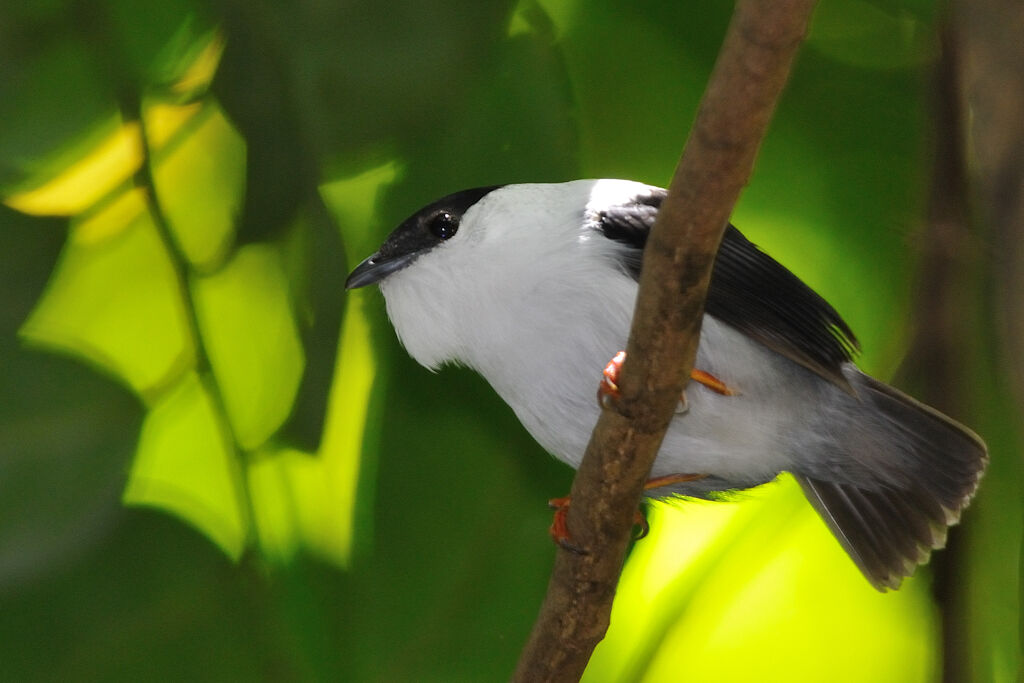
669, 479
559, 528
607, 392
608, 389
712, 382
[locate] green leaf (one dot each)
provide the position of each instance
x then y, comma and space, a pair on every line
40, 134
187, 464
247, 326
66, 433
158, 43
762, 584
114, 301
199, 176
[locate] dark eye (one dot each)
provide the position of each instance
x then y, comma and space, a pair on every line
443, 225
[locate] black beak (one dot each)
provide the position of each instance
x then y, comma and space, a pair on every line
376, 268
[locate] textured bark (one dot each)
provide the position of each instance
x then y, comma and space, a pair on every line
752, 68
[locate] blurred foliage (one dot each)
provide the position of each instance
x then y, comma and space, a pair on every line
186, 184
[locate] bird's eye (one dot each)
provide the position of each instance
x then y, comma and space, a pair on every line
443, 225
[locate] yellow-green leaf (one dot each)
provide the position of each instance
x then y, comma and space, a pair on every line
252, 341
739, 582
309, 500
200, 178
186, 464
114, 299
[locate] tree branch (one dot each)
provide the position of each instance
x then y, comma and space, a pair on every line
986, 35
752, 68
937, 363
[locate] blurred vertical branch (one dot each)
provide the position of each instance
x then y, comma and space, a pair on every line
751, 70
977, 193
988, 37
945, 298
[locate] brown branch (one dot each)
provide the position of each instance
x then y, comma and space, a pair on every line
984, 264
752, 68
987, 36
944, 298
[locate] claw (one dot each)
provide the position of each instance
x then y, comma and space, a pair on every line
608, 389
560, 530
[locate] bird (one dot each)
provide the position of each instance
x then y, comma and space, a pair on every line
533, 286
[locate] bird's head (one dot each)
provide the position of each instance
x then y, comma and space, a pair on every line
484, 264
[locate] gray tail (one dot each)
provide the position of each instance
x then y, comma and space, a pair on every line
924, 468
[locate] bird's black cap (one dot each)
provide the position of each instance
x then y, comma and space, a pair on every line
416, 235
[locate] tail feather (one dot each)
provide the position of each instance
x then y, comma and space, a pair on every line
926, 473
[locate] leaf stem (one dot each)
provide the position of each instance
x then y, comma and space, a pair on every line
131, 111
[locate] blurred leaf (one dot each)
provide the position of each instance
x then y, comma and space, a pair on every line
254, 84
186, 464
710, 583
311, 254
523, 115
111, 153
250, 336
65, 433
308, 501
114, 301
107, 160
199, 178
157, 46
32, 247
354, 201
367, 74
40, 135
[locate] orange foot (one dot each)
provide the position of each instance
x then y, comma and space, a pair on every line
559, 528
608, 390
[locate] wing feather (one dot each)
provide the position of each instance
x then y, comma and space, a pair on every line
749, 291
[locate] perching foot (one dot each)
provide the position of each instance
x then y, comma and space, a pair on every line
608, 389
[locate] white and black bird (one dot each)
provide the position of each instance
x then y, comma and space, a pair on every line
533, 286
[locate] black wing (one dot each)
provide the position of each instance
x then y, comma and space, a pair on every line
751, 292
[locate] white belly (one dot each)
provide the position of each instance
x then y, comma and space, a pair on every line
737, 439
